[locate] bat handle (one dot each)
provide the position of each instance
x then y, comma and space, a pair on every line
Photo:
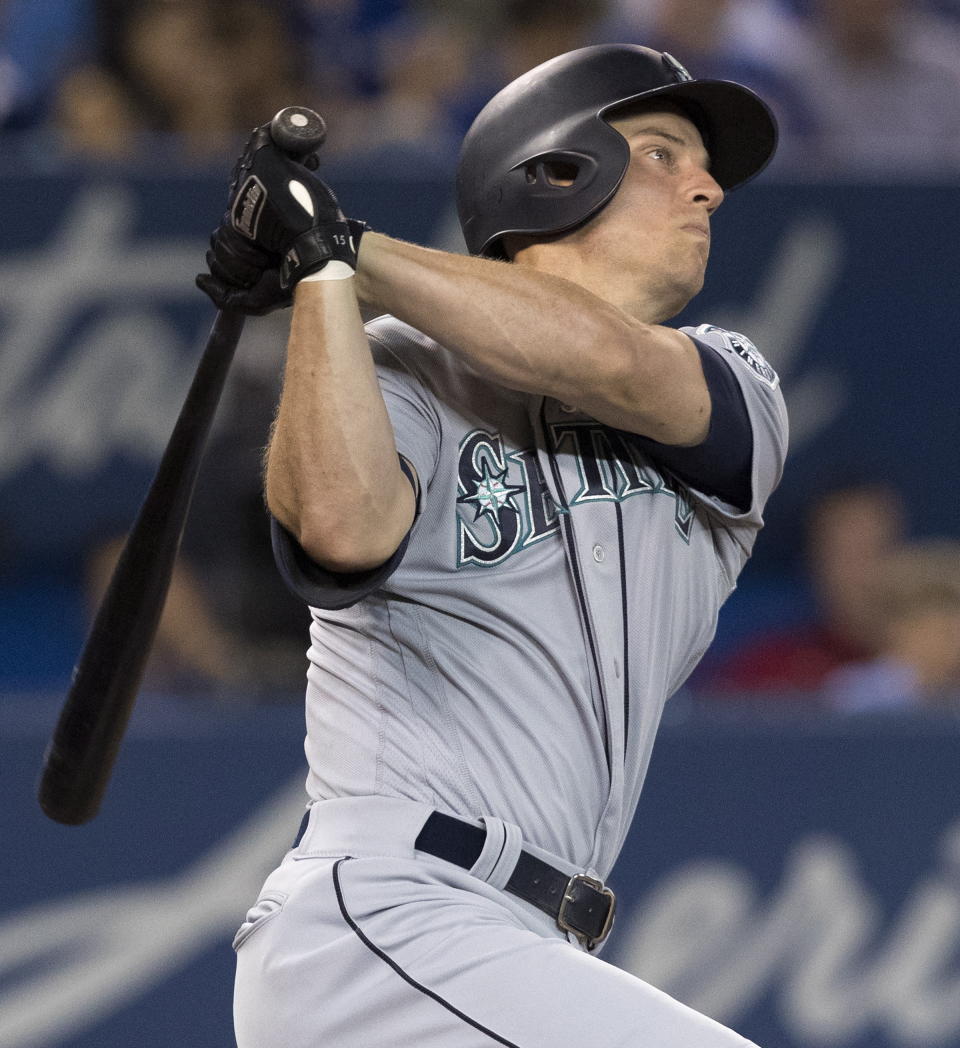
298, 131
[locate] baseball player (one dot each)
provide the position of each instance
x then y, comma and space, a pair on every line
514, 504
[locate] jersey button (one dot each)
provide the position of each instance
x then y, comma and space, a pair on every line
599, 553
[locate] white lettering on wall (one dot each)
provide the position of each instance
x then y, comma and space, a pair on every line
72, 400
69, 963
786, 306
121, 380
819, 946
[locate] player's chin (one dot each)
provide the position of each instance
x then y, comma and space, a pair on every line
695, 266
681, 290
695, 278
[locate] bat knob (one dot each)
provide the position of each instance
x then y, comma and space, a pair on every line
298, 131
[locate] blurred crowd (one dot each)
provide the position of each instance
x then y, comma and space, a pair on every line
882, 629
865, 88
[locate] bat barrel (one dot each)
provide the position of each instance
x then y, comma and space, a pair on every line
85, 742
94, 716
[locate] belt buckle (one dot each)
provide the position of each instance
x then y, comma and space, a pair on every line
574, 894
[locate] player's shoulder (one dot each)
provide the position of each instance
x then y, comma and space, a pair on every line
399, 346
388, 330
737, 349
396, 345
394, 335
406, 357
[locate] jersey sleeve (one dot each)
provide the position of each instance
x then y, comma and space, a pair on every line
416, 426
761, 400
722, 464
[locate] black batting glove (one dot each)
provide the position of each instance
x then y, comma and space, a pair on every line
242, 275
245, 277
283, 208
281, 224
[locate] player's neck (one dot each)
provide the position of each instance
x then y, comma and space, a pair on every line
641, 300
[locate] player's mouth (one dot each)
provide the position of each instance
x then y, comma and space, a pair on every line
698, 228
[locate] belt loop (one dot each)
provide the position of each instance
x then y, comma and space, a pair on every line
501, 849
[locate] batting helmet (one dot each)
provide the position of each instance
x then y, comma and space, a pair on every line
557, 114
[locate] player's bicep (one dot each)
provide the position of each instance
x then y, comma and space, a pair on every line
321, 587
416, 427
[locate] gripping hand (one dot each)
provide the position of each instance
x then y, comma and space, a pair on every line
282, 222
283, 208
247, 278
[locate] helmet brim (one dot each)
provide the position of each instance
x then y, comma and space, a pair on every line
738, 129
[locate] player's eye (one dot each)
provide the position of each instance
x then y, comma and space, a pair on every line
661, 153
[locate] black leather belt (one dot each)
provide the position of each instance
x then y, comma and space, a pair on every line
579, 904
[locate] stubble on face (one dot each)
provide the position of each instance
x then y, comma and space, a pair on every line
647, 249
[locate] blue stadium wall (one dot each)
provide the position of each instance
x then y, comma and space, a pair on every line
796, 877
850, 291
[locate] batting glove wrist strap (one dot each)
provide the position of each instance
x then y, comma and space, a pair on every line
314, 248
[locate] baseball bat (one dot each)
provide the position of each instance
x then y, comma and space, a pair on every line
84, 745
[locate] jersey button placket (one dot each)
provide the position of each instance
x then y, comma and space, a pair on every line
599, 553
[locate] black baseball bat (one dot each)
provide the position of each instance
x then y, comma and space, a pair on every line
83, 748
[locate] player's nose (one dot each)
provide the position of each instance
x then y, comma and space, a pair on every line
705, 190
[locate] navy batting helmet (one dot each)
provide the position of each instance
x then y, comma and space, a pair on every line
556, 114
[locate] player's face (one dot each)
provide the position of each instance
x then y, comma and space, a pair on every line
656, 230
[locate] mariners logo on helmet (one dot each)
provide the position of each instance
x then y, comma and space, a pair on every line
680, 70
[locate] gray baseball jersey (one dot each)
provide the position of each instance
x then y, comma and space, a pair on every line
557, 586
508, 666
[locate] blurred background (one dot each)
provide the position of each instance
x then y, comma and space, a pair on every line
794, 867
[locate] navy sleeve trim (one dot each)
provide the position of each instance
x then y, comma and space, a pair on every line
332, 590
722, 465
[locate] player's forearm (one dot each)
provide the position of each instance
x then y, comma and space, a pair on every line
539, 333
333, 476
492, 313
